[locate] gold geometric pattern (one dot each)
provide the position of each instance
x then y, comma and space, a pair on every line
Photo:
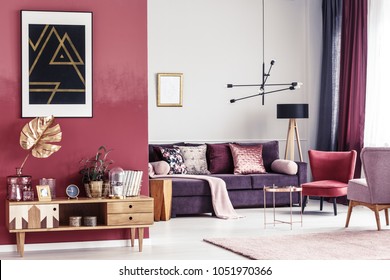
62, 56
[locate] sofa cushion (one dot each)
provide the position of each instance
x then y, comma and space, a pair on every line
281, 180
175, 159
195, 159
247, 159
220, 160
284, 166
190, 187
235, 182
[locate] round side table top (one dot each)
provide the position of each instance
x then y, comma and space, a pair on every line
282, 189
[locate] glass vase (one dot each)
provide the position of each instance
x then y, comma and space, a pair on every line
116, 177
19, 187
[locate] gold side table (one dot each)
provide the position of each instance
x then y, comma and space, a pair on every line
288, 189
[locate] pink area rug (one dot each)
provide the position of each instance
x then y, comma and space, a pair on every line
338, 245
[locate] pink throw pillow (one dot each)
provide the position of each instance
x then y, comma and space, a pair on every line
247, 159
159, 168
284, 166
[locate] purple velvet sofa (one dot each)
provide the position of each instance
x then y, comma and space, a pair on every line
192, 196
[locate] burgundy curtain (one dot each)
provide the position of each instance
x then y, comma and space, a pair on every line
353, 65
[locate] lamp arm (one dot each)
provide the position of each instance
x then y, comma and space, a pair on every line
261, 94
246, 97
282, 89
265, 76
250, 85
259, 85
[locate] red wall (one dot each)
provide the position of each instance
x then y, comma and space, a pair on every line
119, 103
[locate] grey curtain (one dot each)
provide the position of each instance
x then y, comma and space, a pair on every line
329, 95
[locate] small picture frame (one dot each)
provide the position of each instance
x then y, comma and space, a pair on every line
43, 192
169, 89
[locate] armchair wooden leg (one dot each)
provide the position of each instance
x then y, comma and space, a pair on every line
335, 206
387, 216
321, 203
378, 221
350, 206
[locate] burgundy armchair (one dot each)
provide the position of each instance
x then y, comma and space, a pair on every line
331, 172
373, 191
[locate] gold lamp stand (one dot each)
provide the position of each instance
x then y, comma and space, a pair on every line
292, 112
292, 128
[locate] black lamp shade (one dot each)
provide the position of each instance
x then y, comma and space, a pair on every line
292, 111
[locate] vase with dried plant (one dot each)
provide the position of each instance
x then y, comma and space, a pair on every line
36, 137
94, 173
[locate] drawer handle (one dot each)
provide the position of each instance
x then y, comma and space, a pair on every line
130, 206
130, 218
54, 209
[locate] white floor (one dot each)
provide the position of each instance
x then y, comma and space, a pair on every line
182, 238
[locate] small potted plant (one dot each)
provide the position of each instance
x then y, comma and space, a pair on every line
94, 173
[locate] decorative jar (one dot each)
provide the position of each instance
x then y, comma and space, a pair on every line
90, 221
19, 184
51, 182
75, 221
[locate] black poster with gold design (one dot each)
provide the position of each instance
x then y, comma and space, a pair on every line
56, 64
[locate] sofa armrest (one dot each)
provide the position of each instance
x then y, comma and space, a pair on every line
302, 172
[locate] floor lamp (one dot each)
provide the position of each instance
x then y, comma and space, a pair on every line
292, 112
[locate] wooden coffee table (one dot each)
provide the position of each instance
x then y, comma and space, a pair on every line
288, 189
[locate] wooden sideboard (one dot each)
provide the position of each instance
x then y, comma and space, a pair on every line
135, 213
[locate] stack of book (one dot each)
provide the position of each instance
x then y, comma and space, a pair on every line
132, 182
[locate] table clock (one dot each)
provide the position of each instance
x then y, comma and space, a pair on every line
72, 191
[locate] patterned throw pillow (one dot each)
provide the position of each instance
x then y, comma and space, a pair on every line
175, 159
247, 159
195, 159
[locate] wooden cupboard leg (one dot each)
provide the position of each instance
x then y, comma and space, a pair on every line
132, 237
140, 238
20, 238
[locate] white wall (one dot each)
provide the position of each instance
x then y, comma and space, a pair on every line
215, 42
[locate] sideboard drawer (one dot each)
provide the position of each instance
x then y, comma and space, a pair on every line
130, 207
130, 219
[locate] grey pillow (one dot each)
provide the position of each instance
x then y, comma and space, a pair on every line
195, 159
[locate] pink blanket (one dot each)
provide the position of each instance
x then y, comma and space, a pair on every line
222, 205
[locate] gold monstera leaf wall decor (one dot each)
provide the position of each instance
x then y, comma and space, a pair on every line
37, 136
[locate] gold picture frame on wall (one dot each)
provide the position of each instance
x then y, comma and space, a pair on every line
170, 89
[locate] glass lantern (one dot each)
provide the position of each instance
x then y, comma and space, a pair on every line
19, 187
116, 177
